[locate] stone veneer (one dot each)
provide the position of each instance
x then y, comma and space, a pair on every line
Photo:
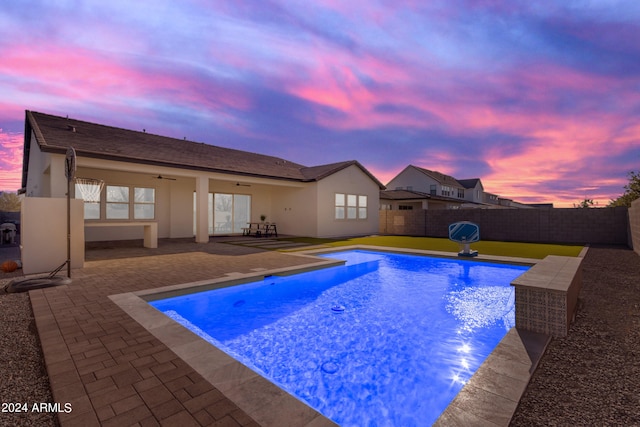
547, 295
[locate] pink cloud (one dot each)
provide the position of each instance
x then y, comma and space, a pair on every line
90, 77
10, 160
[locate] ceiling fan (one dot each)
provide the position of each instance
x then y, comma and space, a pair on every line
164, 177
242, 185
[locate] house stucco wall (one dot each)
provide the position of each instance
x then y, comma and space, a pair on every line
43, 237
294, 210
634, 225
163, 206
410, 177
351, 180
37, 184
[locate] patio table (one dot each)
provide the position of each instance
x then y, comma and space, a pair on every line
260, 229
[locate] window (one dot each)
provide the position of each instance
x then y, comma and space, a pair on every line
90, 193
433, 190
362, 207
446, 190
350, 206
340, 204
144, 203
405, 207
117, 202
460, 193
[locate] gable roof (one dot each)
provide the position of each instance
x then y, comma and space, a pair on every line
470, 183
318, 172
440, 177
55, 134
448, 179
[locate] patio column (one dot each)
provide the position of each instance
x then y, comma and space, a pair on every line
202, 210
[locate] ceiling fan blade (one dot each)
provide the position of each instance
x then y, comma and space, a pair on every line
164, 177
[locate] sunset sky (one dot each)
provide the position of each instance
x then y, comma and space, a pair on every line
541, 100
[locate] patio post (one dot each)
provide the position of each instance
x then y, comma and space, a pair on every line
202, 209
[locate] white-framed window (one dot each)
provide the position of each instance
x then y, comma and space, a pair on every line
91, 207
117, 202
350, 206
144, 203
460, 193
121, 202
340, 205
362, 207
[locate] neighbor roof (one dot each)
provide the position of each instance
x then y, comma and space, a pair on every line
418, 195
440, 177
470, 183
55, 134
448, 179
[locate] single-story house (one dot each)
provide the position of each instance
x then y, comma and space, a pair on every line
187, 189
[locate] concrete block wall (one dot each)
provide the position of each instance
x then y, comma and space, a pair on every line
402, 223
597, 226
634, 225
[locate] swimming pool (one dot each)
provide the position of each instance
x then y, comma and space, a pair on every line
386, 339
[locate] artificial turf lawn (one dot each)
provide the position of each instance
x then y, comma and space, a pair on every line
513, 249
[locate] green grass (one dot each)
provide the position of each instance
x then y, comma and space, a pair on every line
513, 249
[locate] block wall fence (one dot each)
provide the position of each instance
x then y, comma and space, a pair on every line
634, 225
573, 225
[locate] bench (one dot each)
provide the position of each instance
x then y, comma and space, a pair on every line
150, 229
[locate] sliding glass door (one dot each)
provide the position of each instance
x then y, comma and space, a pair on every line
228, 213
231, 212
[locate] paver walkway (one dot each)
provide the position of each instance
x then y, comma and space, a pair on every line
111, 370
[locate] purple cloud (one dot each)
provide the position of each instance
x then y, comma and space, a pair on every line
539, 100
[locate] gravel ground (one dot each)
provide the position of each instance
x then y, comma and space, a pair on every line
23, 376
591, 377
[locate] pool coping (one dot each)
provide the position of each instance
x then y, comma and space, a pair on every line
489, 398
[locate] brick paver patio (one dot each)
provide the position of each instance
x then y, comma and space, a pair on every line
110, 369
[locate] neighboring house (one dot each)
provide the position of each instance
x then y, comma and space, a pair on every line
413, 200
190, 188
420, 188
473, 190
491, 199
432, 190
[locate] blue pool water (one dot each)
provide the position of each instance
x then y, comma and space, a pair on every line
385, 340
